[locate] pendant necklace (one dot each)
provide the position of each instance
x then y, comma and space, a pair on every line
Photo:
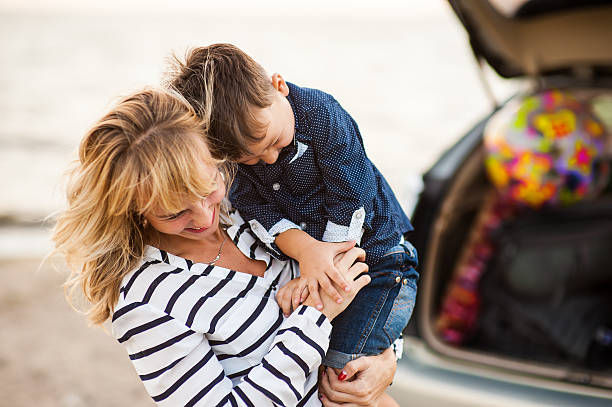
218, 256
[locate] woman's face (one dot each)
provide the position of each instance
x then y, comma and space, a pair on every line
198, 219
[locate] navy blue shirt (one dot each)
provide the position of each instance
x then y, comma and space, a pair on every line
323, 183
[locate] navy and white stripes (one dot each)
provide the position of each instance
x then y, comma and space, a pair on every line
200, 335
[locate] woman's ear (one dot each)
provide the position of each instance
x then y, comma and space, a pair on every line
279, 84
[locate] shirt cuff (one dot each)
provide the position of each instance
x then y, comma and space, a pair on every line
398, 348
267, 236
339, 233
307, 331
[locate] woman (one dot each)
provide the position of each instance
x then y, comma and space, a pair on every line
189, 289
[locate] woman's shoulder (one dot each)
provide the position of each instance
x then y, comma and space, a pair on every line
152, 289
153, 264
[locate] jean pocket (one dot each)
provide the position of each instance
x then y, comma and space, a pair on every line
401, 311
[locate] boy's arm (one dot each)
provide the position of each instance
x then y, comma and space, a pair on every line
286, 239
317, 263
266, 220
347, 173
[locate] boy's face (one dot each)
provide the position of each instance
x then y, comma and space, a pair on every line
277, 127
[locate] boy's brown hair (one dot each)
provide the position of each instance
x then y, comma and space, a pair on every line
238, 84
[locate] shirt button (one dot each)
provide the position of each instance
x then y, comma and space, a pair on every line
405, 281
358, 215
276, 186
398, 279
303, 225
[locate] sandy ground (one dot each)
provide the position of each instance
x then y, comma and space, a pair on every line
49, 356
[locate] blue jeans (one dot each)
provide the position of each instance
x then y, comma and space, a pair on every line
379, 312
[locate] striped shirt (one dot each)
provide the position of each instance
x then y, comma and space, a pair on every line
201, 335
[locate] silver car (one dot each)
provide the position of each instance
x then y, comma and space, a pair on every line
540, 332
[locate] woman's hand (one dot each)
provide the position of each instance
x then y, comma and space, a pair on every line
331, 308
366, 380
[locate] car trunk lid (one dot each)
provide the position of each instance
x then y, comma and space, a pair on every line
539, 37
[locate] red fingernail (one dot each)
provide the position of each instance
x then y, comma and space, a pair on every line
342, 375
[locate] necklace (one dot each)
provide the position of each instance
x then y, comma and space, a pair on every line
218, 256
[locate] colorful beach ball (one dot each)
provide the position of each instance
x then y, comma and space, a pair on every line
544, 149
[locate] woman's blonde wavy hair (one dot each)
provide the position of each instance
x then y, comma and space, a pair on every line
147, 152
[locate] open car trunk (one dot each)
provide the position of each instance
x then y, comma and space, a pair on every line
542, 300
538, 298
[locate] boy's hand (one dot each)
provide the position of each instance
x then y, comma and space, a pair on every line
318, 268
355, 271
287, 300
317, 264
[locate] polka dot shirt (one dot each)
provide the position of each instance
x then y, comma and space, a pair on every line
323, 183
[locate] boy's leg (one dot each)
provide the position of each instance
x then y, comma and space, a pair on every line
379, 312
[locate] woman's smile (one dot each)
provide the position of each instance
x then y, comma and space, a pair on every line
202, 229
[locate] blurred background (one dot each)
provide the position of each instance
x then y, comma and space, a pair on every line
403, 69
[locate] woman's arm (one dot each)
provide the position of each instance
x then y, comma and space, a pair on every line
180, 365
366, 380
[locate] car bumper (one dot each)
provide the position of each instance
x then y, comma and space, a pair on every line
426, 379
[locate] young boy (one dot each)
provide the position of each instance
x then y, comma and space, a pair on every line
304, 183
